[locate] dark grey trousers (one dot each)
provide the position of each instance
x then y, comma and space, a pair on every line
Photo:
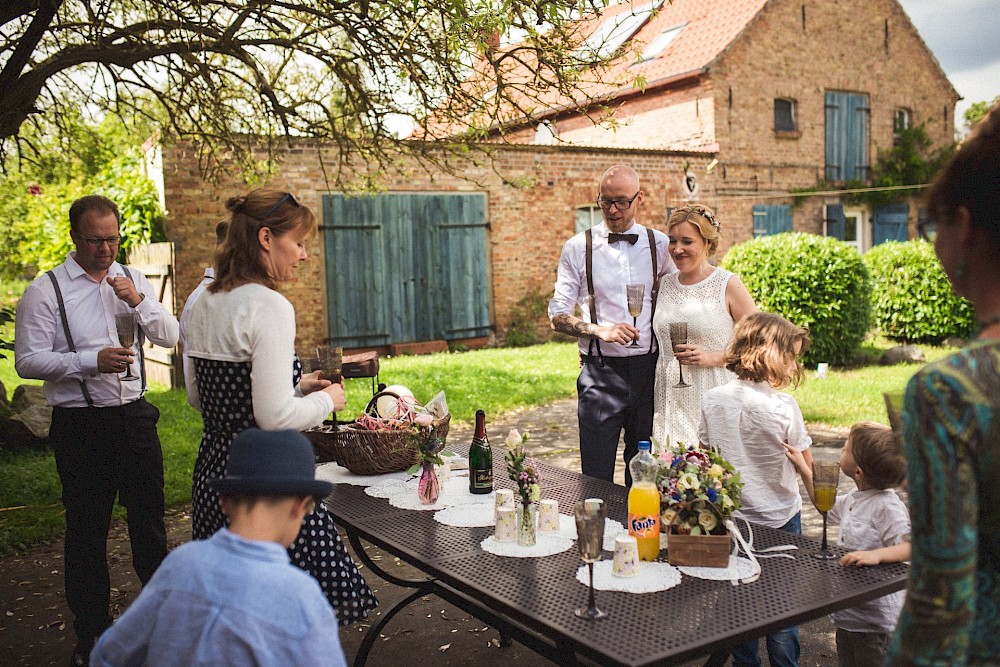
613, 395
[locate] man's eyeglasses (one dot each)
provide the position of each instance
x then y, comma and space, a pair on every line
98, 241
621, 203
927, 229
288, 197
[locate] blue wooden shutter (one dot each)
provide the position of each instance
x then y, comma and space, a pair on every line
890, 223
771, 219
463, 299
846, 136
356, 291
406, 268
835, 221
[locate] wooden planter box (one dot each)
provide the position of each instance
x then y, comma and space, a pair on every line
698, 550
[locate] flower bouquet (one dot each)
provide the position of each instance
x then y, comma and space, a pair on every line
699, 491
524, 474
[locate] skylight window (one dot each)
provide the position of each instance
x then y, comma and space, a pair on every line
615, 31
661, 42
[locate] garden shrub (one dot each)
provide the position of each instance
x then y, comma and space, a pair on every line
529, 323
912, 300
814, 281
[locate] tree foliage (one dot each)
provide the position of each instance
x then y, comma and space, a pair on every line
977, 111
912, 160
36, 193
216, 72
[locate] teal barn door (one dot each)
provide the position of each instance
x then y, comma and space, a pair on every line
406, 268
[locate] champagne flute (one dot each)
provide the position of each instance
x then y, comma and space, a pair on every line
589, 517
826, 476
634, 294
894, 409
679, 336
125, 324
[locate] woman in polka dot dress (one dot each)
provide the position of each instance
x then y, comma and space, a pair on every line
240, 337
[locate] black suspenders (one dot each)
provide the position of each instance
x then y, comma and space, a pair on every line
69, 336
590, 288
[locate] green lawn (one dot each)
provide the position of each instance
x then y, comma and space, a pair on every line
495, 380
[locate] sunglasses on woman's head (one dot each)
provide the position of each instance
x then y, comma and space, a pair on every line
288, 197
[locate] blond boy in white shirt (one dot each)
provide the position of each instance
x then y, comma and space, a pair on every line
875, 528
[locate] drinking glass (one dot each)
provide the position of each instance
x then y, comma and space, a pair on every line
634, 294
826, 476
679, 336
125, 324
331, 359
894, 408
590, 536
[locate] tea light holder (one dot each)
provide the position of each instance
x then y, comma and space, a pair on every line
548, 516
506, 525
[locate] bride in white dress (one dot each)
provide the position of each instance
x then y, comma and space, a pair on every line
710, 300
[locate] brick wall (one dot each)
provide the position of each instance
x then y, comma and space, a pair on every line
527, 225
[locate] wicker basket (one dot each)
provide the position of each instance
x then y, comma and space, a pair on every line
365, 452
698, 550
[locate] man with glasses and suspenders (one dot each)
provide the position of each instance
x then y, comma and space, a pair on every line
103, 431
615, 387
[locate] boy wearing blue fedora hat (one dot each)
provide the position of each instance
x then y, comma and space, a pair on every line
236, 598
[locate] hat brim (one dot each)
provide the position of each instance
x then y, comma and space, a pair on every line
264, 486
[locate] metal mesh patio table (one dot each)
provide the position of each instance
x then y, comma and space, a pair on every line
532, 599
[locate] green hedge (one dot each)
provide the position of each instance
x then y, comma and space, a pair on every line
912, 300
816, 282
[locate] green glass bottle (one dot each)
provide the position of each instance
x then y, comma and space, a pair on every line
480, 458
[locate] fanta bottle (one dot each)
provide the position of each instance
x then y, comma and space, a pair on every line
644, 503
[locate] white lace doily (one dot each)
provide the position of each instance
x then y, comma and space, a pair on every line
546, 544
387, 488
454, 491
739, 568
466, 516
652, 577
612, 529
331, 472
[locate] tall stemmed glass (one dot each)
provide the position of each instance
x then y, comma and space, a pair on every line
679, 336
894, 409
589, 515
826, 476
125, 324
634, 293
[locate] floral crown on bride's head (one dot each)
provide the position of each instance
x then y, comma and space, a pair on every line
704, 212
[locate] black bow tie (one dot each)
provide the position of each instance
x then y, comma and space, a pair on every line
615, 238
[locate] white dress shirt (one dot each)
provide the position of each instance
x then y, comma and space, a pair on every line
205, 282
868, 520
40, 348
748, 422
252, 323
615, 266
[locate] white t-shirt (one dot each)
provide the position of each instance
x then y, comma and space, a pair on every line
870, 520
748, 422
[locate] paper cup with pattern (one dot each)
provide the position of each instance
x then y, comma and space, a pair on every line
506, 528
548, 516
504, 498
626, 562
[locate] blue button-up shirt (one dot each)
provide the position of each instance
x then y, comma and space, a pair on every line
225, 601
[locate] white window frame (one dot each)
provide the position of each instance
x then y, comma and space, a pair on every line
659, 43
605, 41
858, 217
587, 216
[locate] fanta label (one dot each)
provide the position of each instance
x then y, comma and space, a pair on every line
644, 525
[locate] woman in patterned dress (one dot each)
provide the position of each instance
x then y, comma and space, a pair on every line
951, 433
240, 337
711, 301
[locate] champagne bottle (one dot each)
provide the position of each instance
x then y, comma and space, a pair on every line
480, 458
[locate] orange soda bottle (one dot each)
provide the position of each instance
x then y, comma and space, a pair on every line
644, 503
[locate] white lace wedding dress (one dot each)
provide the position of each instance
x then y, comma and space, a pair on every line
677, 411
